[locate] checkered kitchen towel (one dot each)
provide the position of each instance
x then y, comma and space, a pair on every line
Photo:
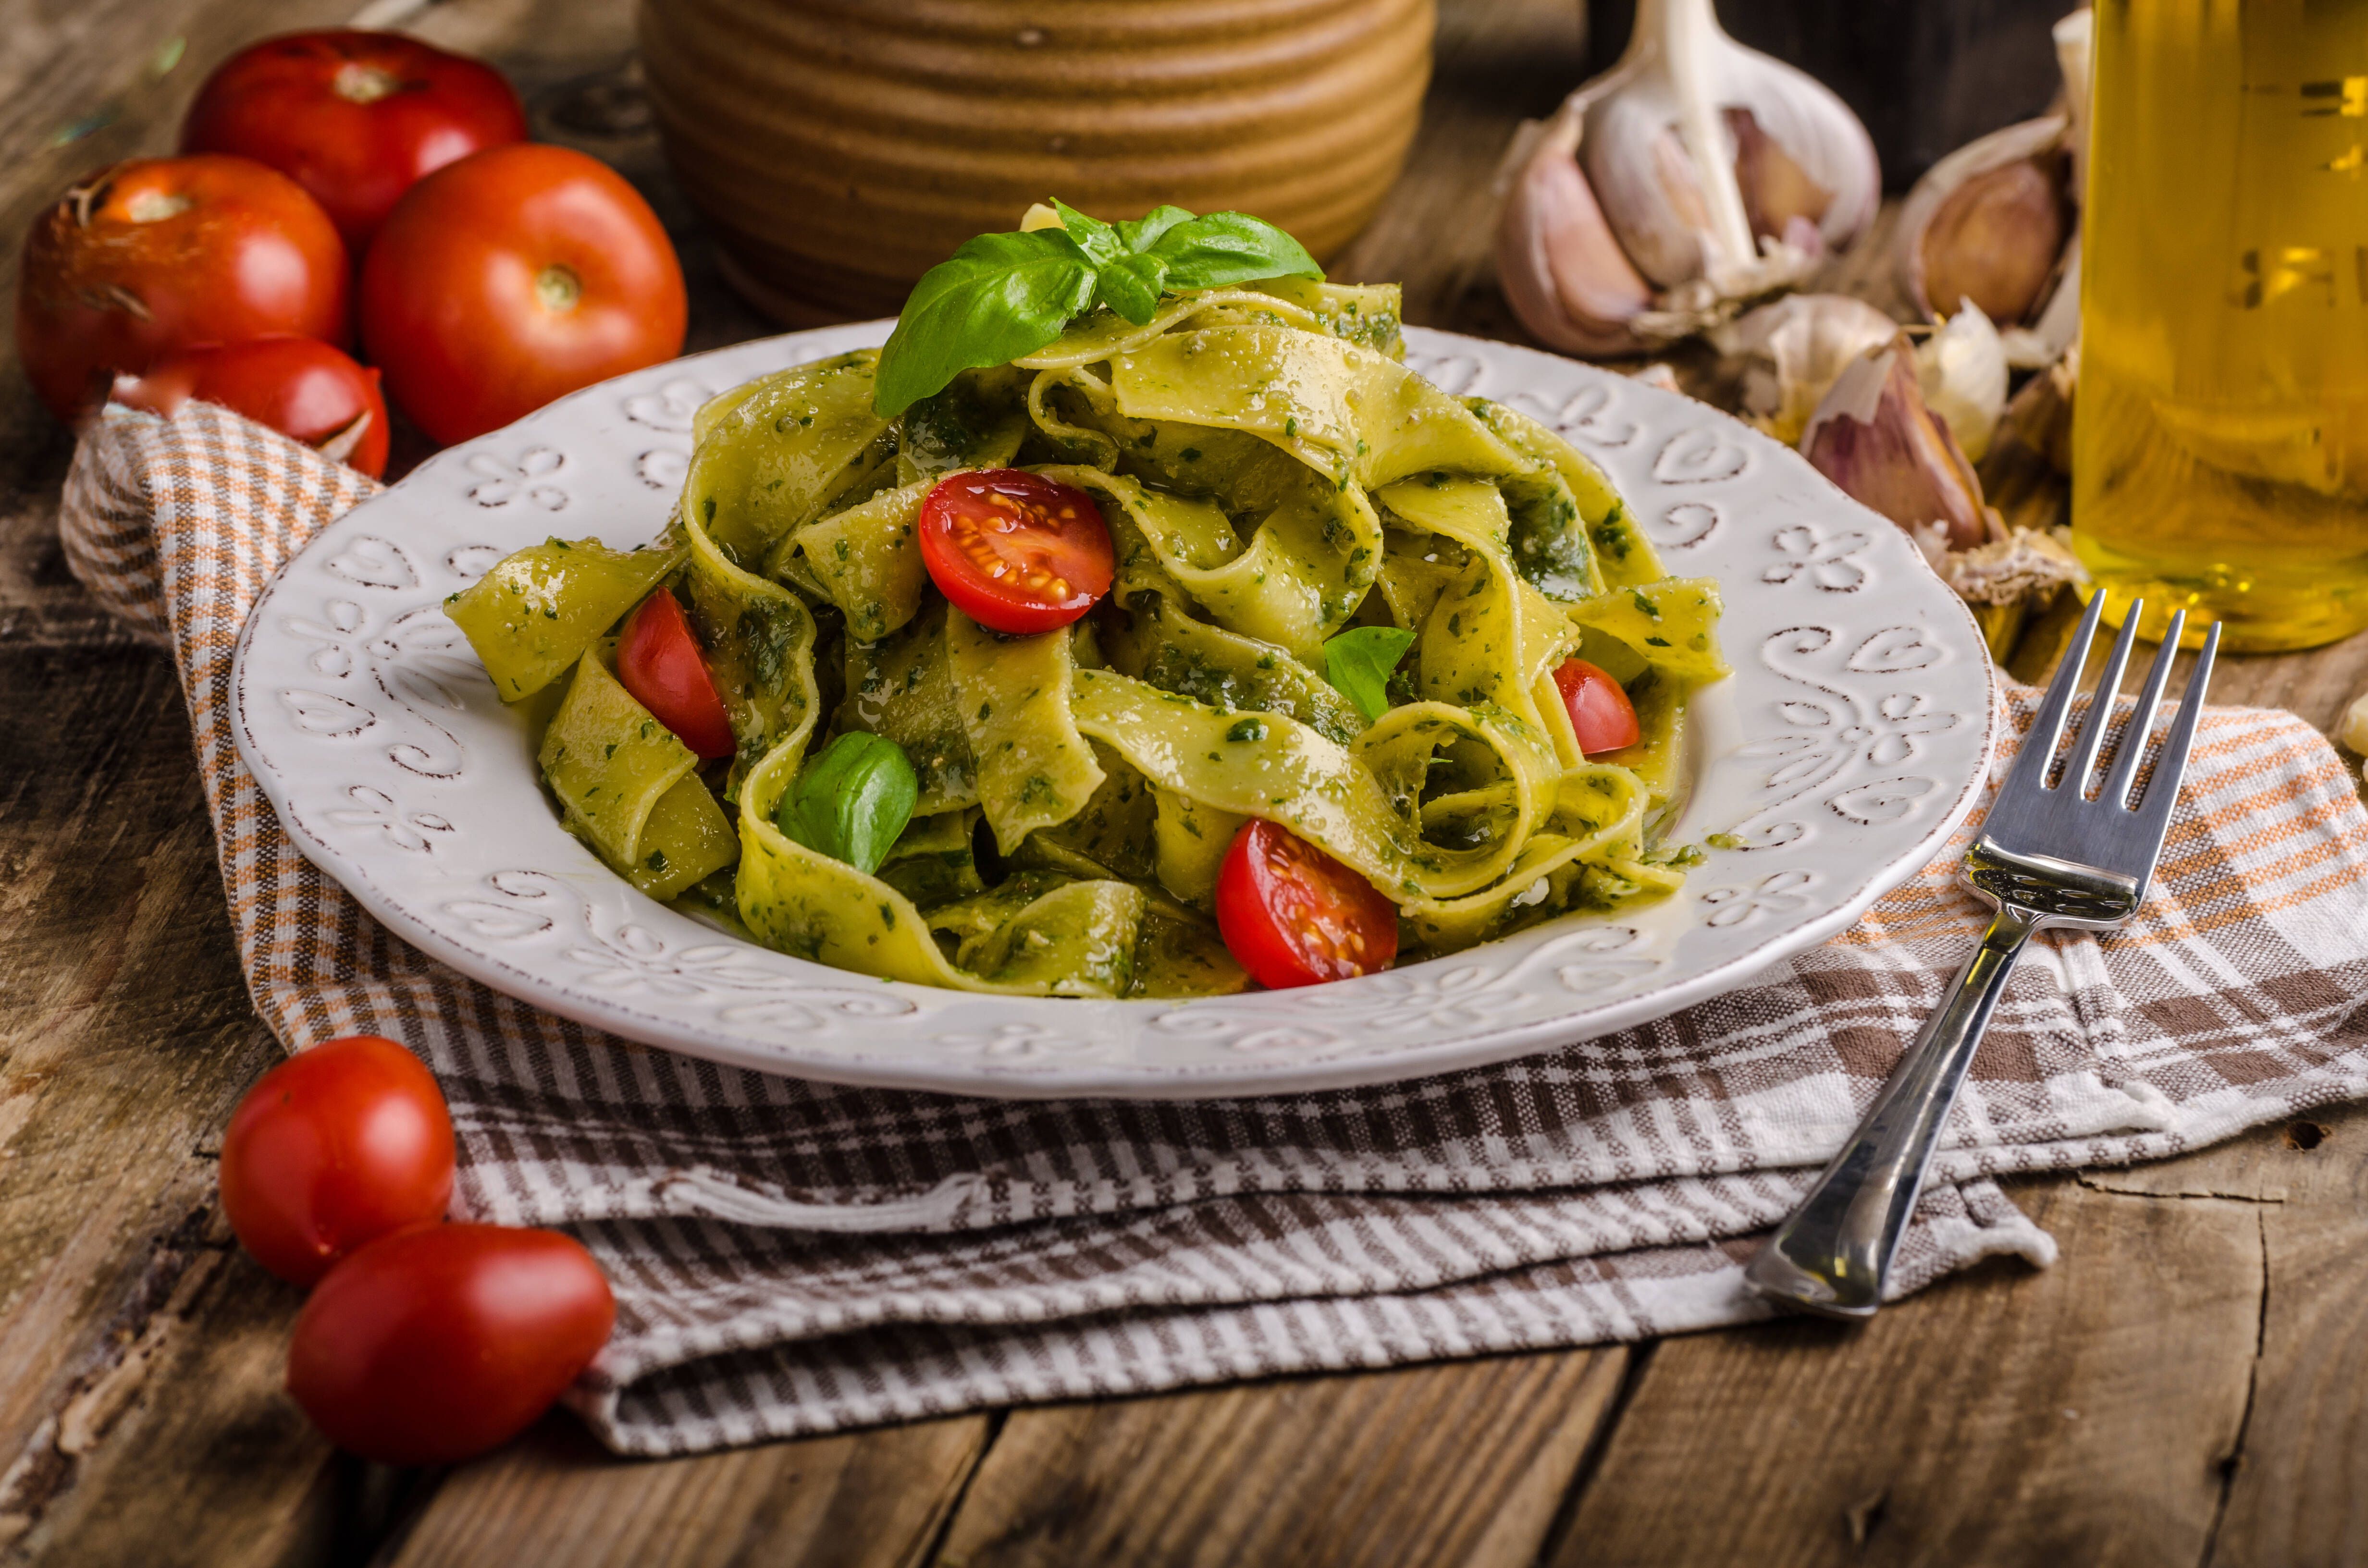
791, 1257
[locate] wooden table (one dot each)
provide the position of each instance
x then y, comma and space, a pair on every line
2188, 1385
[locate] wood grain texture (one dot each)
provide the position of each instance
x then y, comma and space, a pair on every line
1462, 1464
554, 1500
2074, 1414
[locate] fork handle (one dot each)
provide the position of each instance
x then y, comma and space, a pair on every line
1831, 1255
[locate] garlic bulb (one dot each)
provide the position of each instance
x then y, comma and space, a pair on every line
1792, 351
1960, 369
1691, 177
1874, 437
1996, 222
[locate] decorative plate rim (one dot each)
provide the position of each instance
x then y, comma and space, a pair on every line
1062, 1048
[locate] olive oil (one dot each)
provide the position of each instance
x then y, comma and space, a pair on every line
2220, 428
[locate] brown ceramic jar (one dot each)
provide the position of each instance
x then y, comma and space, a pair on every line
842, 147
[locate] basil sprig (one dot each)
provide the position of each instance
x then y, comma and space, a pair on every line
1001, 297
1359, 663
852, 801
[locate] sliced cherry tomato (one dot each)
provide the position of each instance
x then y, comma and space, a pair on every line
1599, 711
299, 386
335, 1147
161, 254
1292, 915
355, 117
438, 1342
1015, 551
658, 660
513, 277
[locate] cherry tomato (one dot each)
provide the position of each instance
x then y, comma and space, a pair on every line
160, 254
513, 277
353, 117
658, 660
1015, 551
438, 1342
335, 1147
1599, 711
299, 386
1292, 915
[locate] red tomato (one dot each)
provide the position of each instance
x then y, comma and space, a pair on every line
438, 1342
1014, 550
352, 117
1292, 915
1599, 711
161, 254
335, 1147
658, 660
513, 277
299, 386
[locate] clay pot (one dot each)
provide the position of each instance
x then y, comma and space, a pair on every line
841, 148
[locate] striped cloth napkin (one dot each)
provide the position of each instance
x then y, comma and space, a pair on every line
791, 1257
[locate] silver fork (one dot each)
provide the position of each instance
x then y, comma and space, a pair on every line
2047, 855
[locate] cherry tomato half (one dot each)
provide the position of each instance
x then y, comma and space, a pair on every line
334, 1148
160, 254
511, 278
1015, 551
1292, 915
1600, 709
438, 1342
659, 662
353, 117
299, 386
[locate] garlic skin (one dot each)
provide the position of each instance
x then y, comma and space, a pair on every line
1960, 369
1997, 222
1695, 173
2004, 570
1874, 437
1794, 349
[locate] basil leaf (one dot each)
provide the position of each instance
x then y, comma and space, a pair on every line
1139, 235
1359, 663
997, 297
1229, 247
1096, 239
851, 801
1129, 284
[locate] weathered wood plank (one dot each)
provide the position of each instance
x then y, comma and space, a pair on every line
1463, 1463
128, 1039
2294, 1480
2075, 1414
555, 1500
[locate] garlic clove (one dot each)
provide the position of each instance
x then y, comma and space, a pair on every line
1637, 163
1563, 273
2039, 416
1817, 133
2353, 731
1874, 437
1996, 237
1794, 349
2049, 338
1779, 197
1960, 369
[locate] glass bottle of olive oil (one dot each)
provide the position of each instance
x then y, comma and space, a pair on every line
2220, 427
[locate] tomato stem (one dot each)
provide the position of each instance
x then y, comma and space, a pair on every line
360, 84
558, 288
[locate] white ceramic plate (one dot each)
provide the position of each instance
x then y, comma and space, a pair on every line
1847, 743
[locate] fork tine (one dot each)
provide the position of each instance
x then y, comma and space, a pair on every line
2136, 733
2101, 706
2047, 725
2162, 789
